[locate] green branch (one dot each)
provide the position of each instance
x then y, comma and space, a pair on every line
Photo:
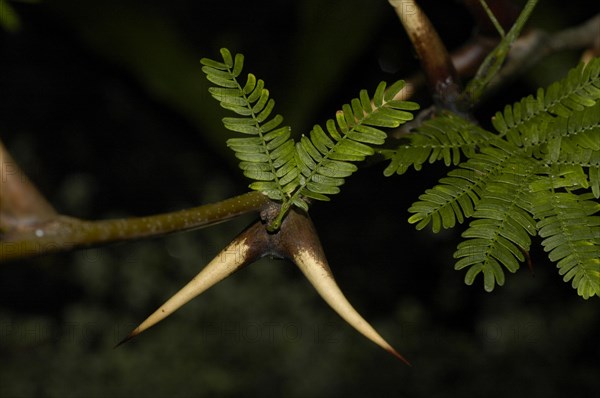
494, 61
65, 233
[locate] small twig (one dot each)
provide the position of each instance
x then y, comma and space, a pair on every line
504, 11
532, 48
65, 233
494, 61
492, 18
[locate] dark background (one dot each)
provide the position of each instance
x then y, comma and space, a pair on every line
104, 106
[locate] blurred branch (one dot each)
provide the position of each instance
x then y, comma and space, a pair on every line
21, 205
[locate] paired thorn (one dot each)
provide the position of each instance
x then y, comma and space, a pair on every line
296, 240
240, 252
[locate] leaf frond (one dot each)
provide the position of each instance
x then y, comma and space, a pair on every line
525, 181
444, 137
570, 229
458, 194
574, 144
503, 226
267, 154
524, 122
326, 156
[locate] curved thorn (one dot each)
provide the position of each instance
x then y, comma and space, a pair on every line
302, 245
319, 275
244, 249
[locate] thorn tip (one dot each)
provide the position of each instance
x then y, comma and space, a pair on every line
399, 356
120, 343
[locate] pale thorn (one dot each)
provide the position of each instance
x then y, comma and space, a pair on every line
233, 257
304, 248
319, 275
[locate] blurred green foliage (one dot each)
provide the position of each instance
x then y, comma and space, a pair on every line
104, 106
9, 20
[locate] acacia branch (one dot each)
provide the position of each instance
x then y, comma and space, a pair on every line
29, 225
63, 233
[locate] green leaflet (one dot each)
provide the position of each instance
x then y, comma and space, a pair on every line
316, 165
324, 157
539, 175
521, 122
571, 236
442, 138
458, 194
267, 154
500, 233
